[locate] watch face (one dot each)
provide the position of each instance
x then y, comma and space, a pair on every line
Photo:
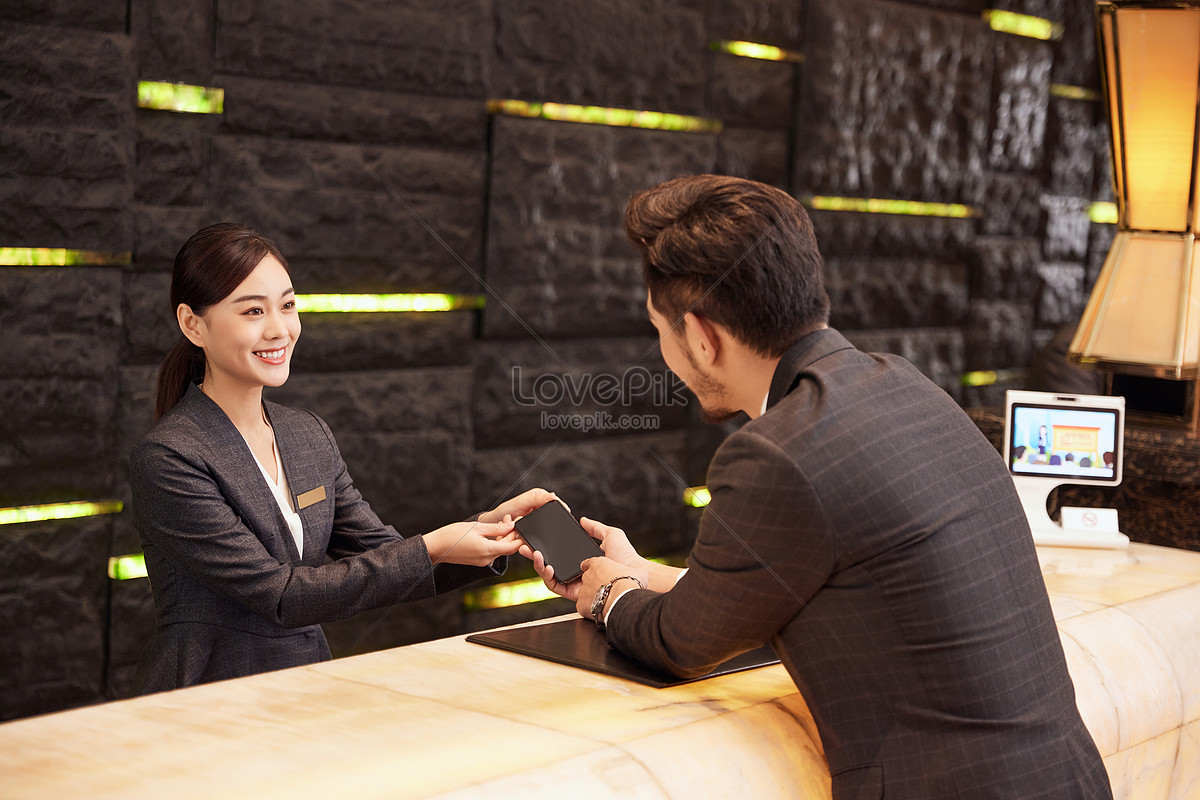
599, 600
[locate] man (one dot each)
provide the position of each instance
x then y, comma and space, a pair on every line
859, 523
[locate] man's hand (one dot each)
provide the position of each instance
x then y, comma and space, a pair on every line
599, 571
613, 542
619, 559
546, 573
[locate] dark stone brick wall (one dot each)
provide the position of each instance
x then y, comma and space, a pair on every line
356, 134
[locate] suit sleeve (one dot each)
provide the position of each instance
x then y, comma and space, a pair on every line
179, 507
763, 551
358, 529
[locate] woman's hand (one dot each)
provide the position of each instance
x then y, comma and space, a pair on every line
475, 544
519, 506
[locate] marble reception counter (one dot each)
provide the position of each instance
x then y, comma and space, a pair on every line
453, 719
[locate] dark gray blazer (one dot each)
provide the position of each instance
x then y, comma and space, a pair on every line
866, 528
232, 595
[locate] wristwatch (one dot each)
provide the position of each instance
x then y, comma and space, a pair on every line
598, 604
602, 597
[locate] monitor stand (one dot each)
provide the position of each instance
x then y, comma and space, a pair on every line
1082, 527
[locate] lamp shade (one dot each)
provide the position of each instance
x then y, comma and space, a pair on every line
1143, 316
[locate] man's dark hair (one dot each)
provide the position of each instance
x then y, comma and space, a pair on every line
734, 251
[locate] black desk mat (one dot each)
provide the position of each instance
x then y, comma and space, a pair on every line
577, 643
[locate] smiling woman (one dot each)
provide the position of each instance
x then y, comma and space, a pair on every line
239, 501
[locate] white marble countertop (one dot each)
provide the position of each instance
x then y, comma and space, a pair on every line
453, 719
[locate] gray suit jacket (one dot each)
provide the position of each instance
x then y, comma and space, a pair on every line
866, 528
232, 595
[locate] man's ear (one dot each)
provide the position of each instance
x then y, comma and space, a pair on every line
704, 338
190, 324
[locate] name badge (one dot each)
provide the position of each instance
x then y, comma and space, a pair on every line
310, 497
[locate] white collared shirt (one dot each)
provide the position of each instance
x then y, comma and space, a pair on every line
282, 496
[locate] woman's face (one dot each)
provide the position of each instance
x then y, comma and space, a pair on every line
248, 337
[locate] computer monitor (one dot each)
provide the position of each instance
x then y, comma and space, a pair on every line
1054, 439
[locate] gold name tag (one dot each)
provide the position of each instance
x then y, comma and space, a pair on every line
311, 496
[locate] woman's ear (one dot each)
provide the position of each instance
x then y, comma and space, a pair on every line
190, 324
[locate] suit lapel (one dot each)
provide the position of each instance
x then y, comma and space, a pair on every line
241, 480
311, 496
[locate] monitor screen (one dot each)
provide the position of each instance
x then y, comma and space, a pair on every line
1069, 442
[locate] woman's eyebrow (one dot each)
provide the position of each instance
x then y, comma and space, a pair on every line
262, 297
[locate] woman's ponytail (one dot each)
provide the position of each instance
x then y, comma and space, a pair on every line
183, 365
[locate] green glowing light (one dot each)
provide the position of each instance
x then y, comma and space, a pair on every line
51, 511
507, 595
752, 50
182, 97
1103, 212
875, 205
979, 378
990, 377
60, 257
1073, 92
125, 568
697, 496
1023, 25
600, 115
387, 303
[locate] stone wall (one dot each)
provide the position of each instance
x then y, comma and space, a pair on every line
356, 133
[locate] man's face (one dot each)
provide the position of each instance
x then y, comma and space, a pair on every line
714, 399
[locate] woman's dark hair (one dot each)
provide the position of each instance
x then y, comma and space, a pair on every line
208, 267
737, 252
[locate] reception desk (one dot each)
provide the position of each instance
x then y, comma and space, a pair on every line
452, 719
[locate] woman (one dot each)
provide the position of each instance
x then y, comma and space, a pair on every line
239, 501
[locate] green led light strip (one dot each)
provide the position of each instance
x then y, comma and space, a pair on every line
387, 303
762, 51
73, 510
507, 595
515, 593
1073, 92
60, 257
875, 205
182, 97
696, 496
126, 568
990, 377
1103, 212
600, 115
1023, 25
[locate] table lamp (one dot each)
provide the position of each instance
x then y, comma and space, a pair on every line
1143, 315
